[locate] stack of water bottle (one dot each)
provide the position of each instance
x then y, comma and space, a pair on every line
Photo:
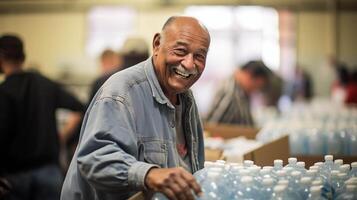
325, 180
315, 131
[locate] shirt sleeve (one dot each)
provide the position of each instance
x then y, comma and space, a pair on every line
5, 120
108, 148
67, 100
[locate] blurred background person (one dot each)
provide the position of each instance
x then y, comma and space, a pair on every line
300, 87
29, 139
338, 88
231, 104
110, 62
351, 89
134, 50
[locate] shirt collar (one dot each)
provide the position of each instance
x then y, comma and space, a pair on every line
156, 90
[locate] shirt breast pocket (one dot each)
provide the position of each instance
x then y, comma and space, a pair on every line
154, 152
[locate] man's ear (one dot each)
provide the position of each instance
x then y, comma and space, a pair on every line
156, 43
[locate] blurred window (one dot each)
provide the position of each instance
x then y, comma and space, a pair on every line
108, 27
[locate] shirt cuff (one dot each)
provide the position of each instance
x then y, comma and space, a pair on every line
137, 173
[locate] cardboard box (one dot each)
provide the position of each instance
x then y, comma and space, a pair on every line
263, 156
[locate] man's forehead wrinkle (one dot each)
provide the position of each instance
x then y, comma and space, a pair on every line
194, 36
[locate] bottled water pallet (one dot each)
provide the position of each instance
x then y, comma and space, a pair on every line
311, 159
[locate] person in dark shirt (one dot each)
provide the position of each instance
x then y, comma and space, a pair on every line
29, 140
134, 51
110, 62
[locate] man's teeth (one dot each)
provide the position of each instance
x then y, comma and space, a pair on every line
181, 73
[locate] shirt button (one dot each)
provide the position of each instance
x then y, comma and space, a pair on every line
172, 124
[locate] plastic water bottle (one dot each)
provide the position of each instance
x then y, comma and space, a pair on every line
305, 187
350, 194
248, 163
316, 142
353, 172
345, 168
337, 164
315, 193
327, 167
281, 175
278, 165
280, 193
247, 190
300, 166
353, 143
212, 188
319, 165
290, 191
334, 182
311, 173
159, 196
267, 173
292, 163
267, 188
297, 141
335, 144
339, 185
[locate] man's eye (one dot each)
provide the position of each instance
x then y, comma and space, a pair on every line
200, 57
180, 52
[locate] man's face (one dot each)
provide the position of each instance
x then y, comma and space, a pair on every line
180, 55
256, 84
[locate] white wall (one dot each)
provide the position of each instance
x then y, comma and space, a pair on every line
49, 38
348, 38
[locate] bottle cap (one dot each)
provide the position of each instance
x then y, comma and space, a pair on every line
265, 171
244, 172
305, 180
301, 164
268, 181
221, 161
342, 175
246, 179
319, 164
354, 165
344, 168
212, 174
316, 182
292, 160
279, 188
283, 182
334, 173
315, 189
338, 161
268, 167
351, 188
295, 173
314, 168
328, 157
281, 173
248, 163
278, 162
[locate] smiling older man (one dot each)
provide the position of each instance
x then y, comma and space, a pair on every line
142, 129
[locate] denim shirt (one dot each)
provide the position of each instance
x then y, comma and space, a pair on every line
129, 128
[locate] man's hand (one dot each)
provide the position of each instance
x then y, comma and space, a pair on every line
175, 183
